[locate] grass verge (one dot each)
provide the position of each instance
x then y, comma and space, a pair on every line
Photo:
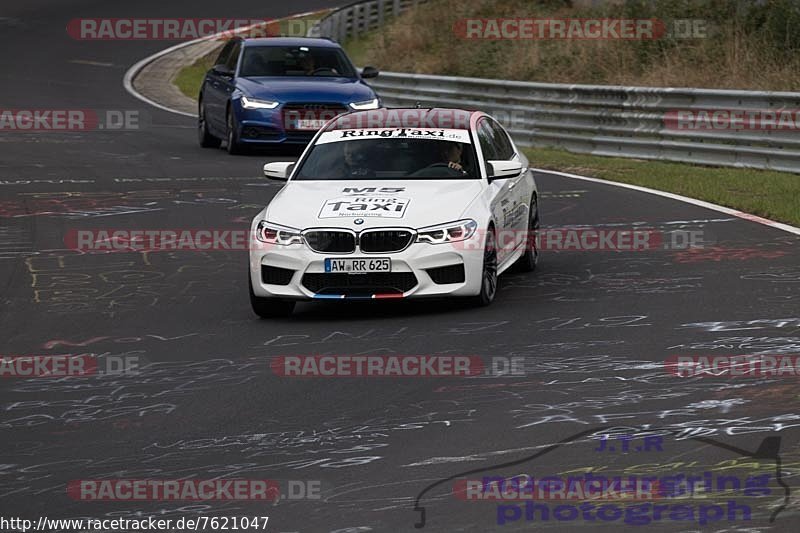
190, 78
770, 194
737, 45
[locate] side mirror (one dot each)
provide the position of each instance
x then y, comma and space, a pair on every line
369, 72
501, 169
222, 70
278, 171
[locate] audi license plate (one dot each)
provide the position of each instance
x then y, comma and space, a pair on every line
359, 266
310, 124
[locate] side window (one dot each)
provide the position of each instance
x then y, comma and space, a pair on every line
233, 58
222, 58
485, 137
505, 150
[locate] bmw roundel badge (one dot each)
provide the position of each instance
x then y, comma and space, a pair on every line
358, 221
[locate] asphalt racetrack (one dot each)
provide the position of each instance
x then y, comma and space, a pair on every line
372, 454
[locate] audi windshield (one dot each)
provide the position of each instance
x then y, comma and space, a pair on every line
295, 61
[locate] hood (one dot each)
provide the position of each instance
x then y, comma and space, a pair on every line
287, 89
380, 203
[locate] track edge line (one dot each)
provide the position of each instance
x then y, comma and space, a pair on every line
678, 197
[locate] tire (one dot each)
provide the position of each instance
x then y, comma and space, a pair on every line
530, 258
269, 307
203, 135
489, 272
234, 146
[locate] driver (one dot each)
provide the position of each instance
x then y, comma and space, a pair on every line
354, 161
307, 64
451, 154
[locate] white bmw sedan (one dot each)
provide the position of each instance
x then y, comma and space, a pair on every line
395, 203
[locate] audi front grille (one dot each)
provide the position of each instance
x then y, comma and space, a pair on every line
329, 109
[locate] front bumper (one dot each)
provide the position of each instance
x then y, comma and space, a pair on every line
267, 127
414, 273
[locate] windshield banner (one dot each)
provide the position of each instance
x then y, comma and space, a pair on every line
430, 134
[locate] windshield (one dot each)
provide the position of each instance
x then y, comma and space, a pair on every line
295, 61
390, 154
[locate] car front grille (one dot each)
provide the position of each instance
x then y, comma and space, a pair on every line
382, 241
331, 241
447, 274
324, 109
374, 282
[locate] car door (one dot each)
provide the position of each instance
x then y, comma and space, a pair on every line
216, 92
501, 191
229, 83
520, 189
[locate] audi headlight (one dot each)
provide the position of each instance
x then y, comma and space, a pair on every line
253, 103
460, 230
368, 104
275, 234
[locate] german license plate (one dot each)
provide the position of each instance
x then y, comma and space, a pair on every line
309, 124
359, 266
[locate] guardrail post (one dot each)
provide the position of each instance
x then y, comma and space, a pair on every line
340, 26
357, 15
381, 8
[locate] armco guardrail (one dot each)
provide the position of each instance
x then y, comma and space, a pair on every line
597, 119
612, 120
351, 20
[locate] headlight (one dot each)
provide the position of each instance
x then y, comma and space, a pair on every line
451, 232
252, 103
369, 104
275, 234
